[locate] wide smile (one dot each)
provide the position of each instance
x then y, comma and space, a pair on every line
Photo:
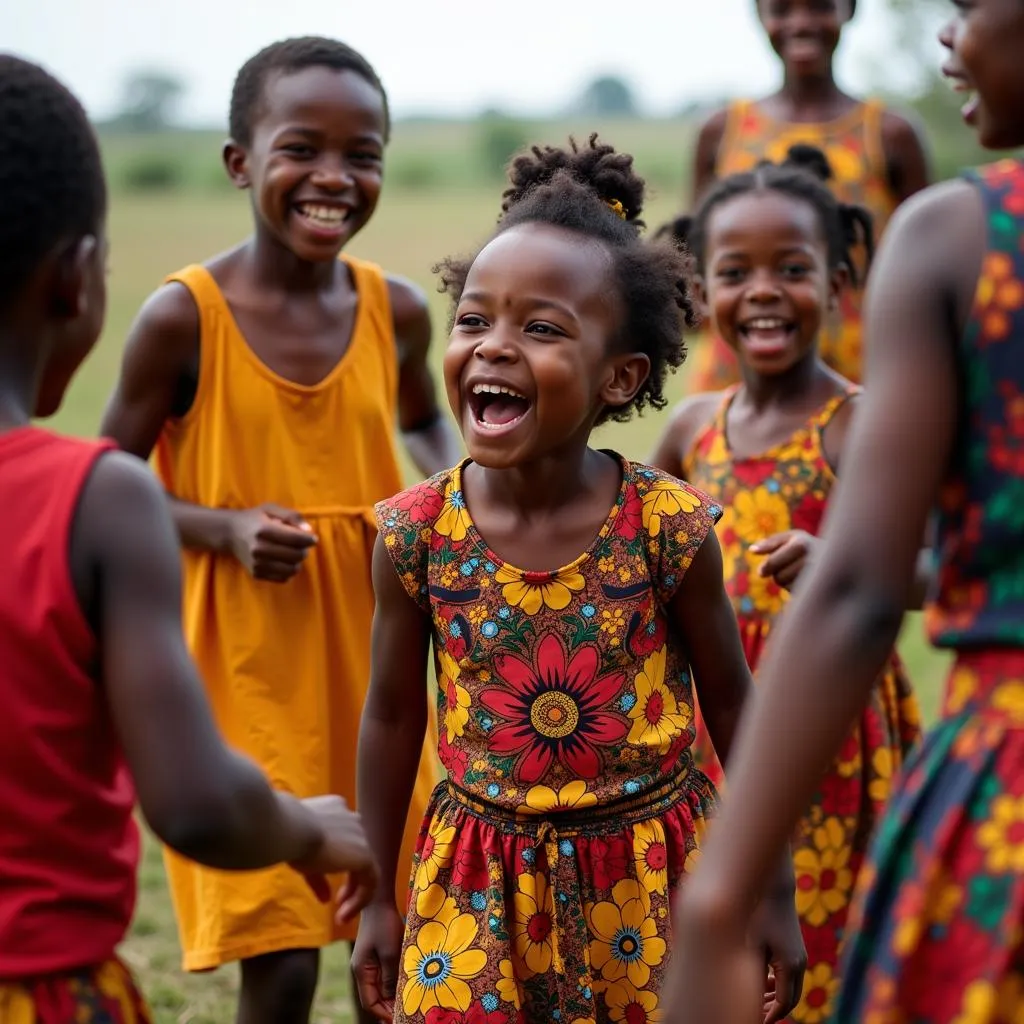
767, 335
958, 83
328, 220
497, 408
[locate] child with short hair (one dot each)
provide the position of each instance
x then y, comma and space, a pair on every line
100, 699
268, 380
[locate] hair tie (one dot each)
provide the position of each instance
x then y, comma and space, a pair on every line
616, 207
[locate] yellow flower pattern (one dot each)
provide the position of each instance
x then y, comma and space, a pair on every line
533, 591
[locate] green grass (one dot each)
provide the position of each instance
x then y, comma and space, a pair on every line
153, 234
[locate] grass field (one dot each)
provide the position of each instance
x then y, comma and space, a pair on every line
153, 234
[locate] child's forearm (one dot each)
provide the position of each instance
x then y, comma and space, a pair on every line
389, 756
201, 528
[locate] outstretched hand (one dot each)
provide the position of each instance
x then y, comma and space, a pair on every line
788, 554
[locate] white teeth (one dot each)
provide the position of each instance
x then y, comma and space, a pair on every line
766, 324
325, 214
496, 389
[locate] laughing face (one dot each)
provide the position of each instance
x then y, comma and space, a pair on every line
767, 282
529, 366
315, 160
994, 86
804, 33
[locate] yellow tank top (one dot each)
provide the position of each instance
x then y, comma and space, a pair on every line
285, 665
853, 145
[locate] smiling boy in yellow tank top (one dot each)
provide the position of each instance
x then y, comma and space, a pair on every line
267, 383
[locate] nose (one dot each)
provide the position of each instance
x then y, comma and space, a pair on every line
762, 287
496, 346
332, 174
946, 35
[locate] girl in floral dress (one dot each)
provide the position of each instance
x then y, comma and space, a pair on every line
937, 933
770, 246
574, 600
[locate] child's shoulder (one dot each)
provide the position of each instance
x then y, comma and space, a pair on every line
420, 505
664, 495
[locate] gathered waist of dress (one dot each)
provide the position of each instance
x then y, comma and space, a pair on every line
584, 818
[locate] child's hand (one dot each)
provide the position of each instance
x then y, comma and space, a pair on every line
787, 553
776, 929
271, 542
343, 849
375, 959
716, 975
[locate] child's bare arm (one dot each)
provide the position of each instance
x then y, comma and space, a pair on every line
429, 436
704, 616
199, 797
390, 745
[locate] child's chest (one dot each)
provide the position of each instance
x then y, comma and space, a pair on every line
301, 342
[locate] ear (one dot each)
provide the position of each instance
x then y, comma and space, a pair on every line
699, 295
838, 280
236, 162
626, 376
70, 277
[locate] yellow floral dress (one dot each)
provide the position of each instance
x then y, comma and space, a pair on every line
543, 877
787, 488
853, 145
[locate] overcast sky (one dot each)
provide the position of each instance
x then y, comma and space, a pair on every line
446, 56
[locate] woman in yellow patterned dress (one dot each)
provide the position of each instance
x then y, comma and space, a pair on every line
770, 246
877, 158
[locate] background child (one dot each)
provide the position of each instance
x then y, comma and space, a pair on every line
569, 594
772, 247
97, 688
876, 154
269, 380
937, 931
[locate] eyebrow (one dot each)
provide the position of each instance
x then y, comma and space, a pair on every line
531, 301
315, 133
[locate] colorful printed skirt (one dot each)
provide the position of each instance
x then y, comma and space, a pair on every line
515, 919
833, 839
105, 994
937, 930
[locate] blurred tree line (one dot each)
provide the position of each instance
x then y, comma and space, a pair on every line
906, 71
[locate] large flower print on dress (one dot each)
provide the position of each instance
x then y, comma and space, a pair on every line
556, 708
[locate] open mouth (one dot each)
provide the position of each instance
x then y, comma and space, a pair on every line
496, 407
803, 48
958, 84
767, 334
322, 218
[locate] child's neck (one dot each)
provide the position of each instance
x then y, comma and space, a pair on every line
793, 386
535, 489
809, 98
19, 384
274, 267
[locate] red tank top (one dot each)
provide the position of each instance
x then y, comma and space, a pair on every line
69, 847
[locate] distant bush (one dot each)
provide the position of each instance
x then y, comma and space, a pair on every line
415, 171
152, 172
498, 139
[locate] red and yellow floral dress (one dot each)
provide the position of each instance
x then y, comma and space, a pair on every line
543, 877
781, 489
853, 145
937, 931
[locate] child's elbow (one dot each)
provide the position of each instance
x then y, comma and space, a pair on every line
873, 610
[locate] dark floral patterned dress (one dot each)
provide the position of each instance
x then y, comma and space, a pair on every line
937, 931
542, 883
787, 488
103, 994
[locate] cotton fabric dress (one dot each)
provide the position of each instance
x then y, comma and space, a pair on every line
853, 145
543, 879
937, 933
285, 666
786, 488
